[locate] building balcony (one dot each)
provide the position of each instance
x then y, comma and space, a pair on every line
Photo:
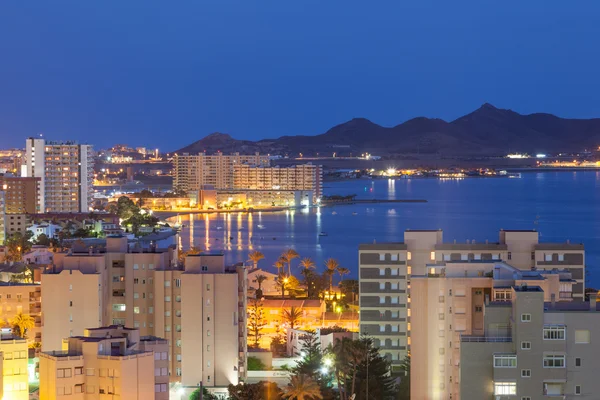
484, 339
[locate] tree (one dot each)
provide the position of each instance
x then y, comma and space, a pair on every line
260, 279
311, 363
292, 316
17, 244
342, 271
302, 387
256, 321
126, 208
278, 342
43, 240
206, 395
254, 391
255, 257
289, 283
349, 289
307, 263
279, 264
404, 386
380, 384
288, 255
255, 364
21, 323
332, 265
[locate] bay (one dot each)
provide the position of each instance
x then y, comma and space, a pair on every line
560, 205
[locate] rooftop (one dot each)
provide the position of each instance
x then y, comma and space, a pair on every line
559, 246
383, 246
471, 246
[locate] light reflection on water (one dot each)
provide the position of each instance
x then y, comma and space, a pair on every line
567, 204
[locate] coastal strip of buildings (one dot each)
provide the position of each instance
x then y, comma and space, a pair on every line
481, 320
215, 179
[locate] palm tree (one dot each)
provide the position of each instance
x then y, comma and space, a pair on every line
288, 255
302, 387
21, 323
307, 263
332, 265
342, 271
279, 264
255, 257
260, 279
292, 316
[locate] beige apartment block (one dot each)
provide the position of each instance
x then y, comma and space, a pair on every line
547, 351
192, 172
22, 194
148, 290
307, 177
519, 248
448, 305
23, 298
383, 297
107, 362
65, 171
15, 379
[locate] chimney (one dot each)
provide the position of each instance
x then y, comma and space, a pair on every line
593, 300
553, 300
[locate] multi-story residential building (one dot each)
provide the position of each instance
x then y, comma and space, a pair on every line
21, 194
109, 361
65, 170
385, 271
2, 219
547, 350
16, 223
192, 172
307, 177
519, 248
447, 303
25, 298
148, 290
383, 298
15, 378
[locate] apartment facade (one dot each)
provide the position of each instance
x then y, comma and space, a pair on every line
15, 378
192, 172
548, 353
65, 170
25, 298
147, 290
383, 298
21, 194
308, 177
106, 362
448, 303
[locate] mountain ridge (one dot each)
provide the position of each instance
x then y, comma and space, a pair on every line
487, 130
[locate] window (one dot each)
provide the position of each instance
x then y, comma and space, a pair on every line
136, 310
449, 292
578, 362
547, 257
582, 336
167, 283
150, 310
136, 281
525, 398
561, 257
381, 257
554, 333
447, 257
477, 256
118, 307
89, 371
509, 255
136, 266
204, 268
208, 287
167, 298
208, 347
554, 361
577, 389
160, 387
78, 370
525, 345
432, 256
63, 373
525, 373
136, 295
381, 285
478, 308
394, 257
408, 255
533, 255
505, 388
79, 388
505, 361
525, 317
177, 282
464, 257
381, 272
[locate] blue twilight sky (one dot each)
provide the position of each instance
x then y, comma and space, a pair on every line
166, 73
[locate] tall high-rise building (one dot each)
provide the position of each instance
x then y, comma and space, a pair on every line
2, 218
199, 307
192, 172
66, 174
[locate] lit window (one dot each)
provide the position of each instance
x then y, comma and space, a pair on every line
432, 255
118, 307
505, 388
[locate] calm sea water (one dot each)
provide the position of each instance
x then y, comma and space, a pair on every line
560, 205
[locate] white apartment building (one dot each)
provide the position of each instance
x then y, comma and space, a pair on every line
66, 174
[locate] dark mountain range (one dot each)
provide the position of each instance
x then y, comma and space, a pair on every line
486, 131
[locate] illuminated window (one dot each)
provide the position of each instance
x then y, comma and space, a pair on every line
505, 388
